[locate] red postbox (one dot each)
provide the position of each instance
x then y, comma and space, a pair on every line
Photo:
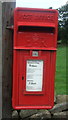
34, 58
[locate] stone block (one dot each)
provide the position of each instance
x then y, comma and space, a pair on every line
15, 114
59, 107
61, 98
61, 114
42, 114
27, 113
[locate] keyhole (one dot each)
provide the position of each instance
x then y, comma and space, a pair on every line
22, 78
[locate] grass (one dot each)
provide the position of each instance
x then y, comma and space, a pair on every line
60, 79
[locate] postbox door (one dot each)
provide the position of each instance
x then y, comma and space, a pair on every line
34, 81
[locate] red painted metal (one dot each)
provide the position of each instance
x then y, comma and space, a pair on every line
34, 29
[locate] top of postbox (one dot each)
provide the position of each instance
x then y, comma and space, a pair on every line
36, 17
35, 28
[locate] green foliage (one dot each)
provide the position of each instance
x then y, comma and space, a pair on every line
63, 24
